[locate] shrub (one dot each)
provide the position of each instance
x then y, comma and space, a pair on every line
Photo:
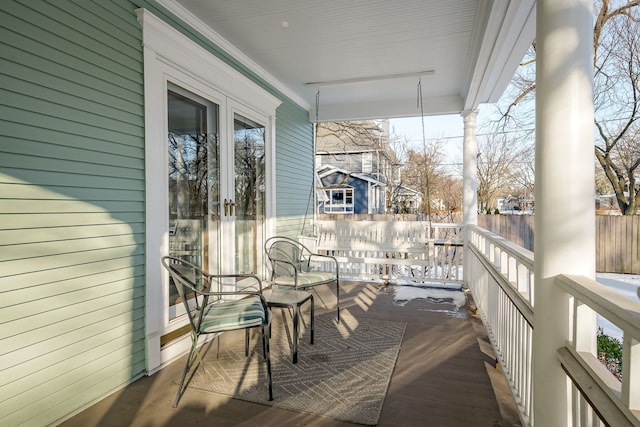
610, 353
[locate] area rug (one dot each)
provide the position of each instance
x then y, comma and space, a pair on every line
345, 374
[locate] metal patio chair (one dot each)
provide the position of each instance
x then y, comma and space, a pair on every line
212, 308
294, 266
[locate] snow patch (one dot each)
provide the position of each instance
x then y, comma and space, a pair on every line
434, 285
438, 295
626, 284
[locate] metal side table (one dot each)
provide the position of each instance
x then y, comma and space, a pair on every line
285, 298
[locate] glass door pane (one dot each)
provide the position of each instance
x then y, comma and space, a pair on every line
249, 176
194, 187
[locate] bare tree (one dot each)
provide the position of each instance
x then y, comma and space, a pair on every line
617, 100
424, 171
396, 200
502, 163
616, 44
450, 192
524, 168
346, 136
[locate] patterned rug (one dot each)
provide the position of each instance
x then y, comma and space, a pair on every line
345, 374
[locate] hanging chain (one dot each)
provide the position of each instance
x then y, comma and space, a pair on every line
313, 179
424, 145
317, 105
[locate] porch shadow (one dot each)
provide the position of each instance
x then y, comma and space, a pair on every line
443, 376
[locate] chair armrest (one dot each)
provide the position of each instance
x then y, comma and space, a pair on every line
328, 257
244, 291
248, 289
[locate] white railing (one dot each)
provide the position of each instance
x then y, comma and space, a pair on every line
419, 251
501, 281
600, 399
502, 285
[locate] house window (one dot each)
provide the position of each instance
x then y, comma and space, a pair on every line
340, 201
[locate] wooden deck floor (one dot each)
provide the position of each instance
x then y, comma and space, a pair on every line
446, 375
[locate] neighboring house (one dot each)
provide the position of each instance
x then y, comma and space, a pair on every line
357, 169
510, 204
607, 204
133, 129
406, 200
349, 193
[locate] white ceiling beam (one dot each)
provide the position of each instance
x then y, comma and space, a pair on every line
387, 109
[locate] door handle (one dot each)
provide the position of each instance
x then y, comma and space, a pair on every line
229, 207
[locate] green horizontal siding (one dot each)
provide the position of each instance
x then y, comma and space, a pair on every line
72, 209
30, 126
30, 191
294, 166
63, 280
72, 200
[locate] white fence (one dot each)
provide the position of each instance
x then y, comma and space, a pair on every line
419, 251
501, 280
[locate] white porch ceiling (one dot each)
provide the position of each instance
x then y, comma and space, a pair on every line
369, 53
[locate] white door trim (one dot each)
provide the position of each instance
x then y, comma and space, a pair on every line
170, 56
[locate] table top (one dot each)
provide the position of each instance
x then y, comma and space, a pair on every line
277, 296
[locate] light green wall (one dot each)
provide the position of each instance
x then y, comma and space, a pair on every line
71, 208
72, 201
294, 181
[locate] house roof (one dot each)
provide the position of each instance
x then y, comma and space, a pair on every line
363, 58
329, 170
401, 189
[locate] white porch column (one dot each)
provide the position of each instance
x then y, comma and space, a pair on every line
470, 169
469, 182
564, 195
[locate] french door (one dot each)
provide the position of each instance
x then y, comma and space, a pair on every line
208, 143
248, 213
216, 190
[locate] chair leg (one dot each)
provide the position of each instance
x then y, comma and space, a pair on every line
267, 357
338, 298
246, 342
187, 367
312, 316
296, 320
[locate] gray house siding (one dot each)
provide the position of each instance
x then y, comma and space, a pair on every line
72, 202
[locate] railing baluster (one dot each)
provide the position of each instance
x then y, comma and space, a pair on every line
505, 298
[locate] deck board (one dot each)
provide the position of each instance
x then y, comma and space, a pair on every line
446, 375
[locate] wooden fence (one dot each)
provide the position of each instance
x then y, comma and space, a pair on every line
617, 238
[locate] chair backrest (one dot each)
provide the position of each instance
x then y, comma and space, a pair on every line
286, 255
189, 281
